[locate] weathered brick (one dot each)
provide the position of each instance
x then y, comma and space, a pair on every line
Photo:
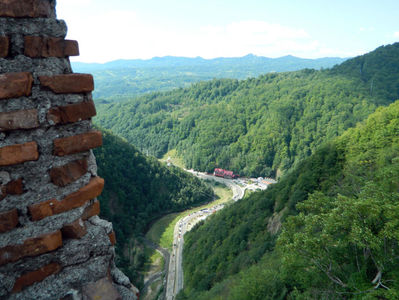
12, 188
4, 46
77, 143
112, 238
80, 197
15, 187
36, 46
20, 119
77, 199
31, 247
8, 220
101, 289
91, 210
68, 173
43, 209
13, 85
71, 48
16, 154
72, 113
30, 278
25, 8
75, 230
68, 83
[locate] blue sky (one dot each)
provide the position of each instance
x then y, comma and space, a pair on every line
128, 29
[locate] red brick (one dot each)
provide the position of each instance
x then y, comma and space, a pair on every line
75, 230
72, 113
91, 210
68, 173
25, 8
31, 247
77, 143
15, 187
8, 220
43, 209
16, 154
13, 85
86, 193
71, 48
4, 46
77, 199
12, 188
68, 83
112, 238
30, 278
36, 46
20, 119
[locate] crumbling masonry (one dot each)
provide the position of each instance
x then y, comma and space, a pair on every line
53, 245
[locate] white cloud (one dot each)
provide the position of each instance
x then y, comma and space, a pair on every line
396, 34
257, 37
367, 29
105, 36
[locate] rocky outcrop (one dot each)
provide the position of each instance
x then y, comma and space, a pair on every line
52, 243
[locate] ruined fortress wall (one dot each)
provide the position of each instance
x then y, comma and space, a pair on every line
52, 243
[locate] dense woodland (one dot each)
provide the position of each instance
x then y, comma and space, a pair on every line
138, 190
123, 79
261, 126
339, 214
327, 230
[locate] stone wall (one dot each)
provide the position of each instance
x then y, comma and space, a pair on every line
52, 243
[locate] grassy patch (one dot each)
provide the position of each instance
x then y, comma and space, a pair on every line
224, 194
158, 229
161, 232
154, 262
174, 159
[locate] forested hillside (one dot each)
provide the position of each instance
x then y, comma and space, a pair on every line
335, 218
139, 189
122, 79
260, 126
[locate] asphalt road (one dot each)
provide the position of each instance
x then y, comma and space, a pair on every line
175, 275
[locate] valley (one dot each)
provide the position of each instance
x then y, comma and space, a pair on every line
172, 276
199, 150
175, 273
161, 236
329, 136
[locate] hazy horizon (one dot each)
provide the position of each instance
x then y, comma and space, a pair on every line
120, 29
199, 57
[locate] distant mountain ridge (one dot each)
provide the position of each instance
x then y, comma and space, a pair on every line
174, 61
260, 126
122, 79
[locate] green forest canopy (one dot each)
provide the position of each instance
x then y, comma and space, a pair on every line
124, 79
260, 126
138, 190
339, 212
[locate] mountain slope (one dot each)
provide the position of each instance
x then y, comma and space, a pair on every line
139, 189
342, 244
126, 78
257, 127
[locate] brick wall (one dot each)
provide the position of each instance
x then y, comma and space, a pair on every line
53, 245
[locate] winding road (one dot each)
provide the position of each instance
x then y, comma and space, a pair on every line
175, 273
174, 261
